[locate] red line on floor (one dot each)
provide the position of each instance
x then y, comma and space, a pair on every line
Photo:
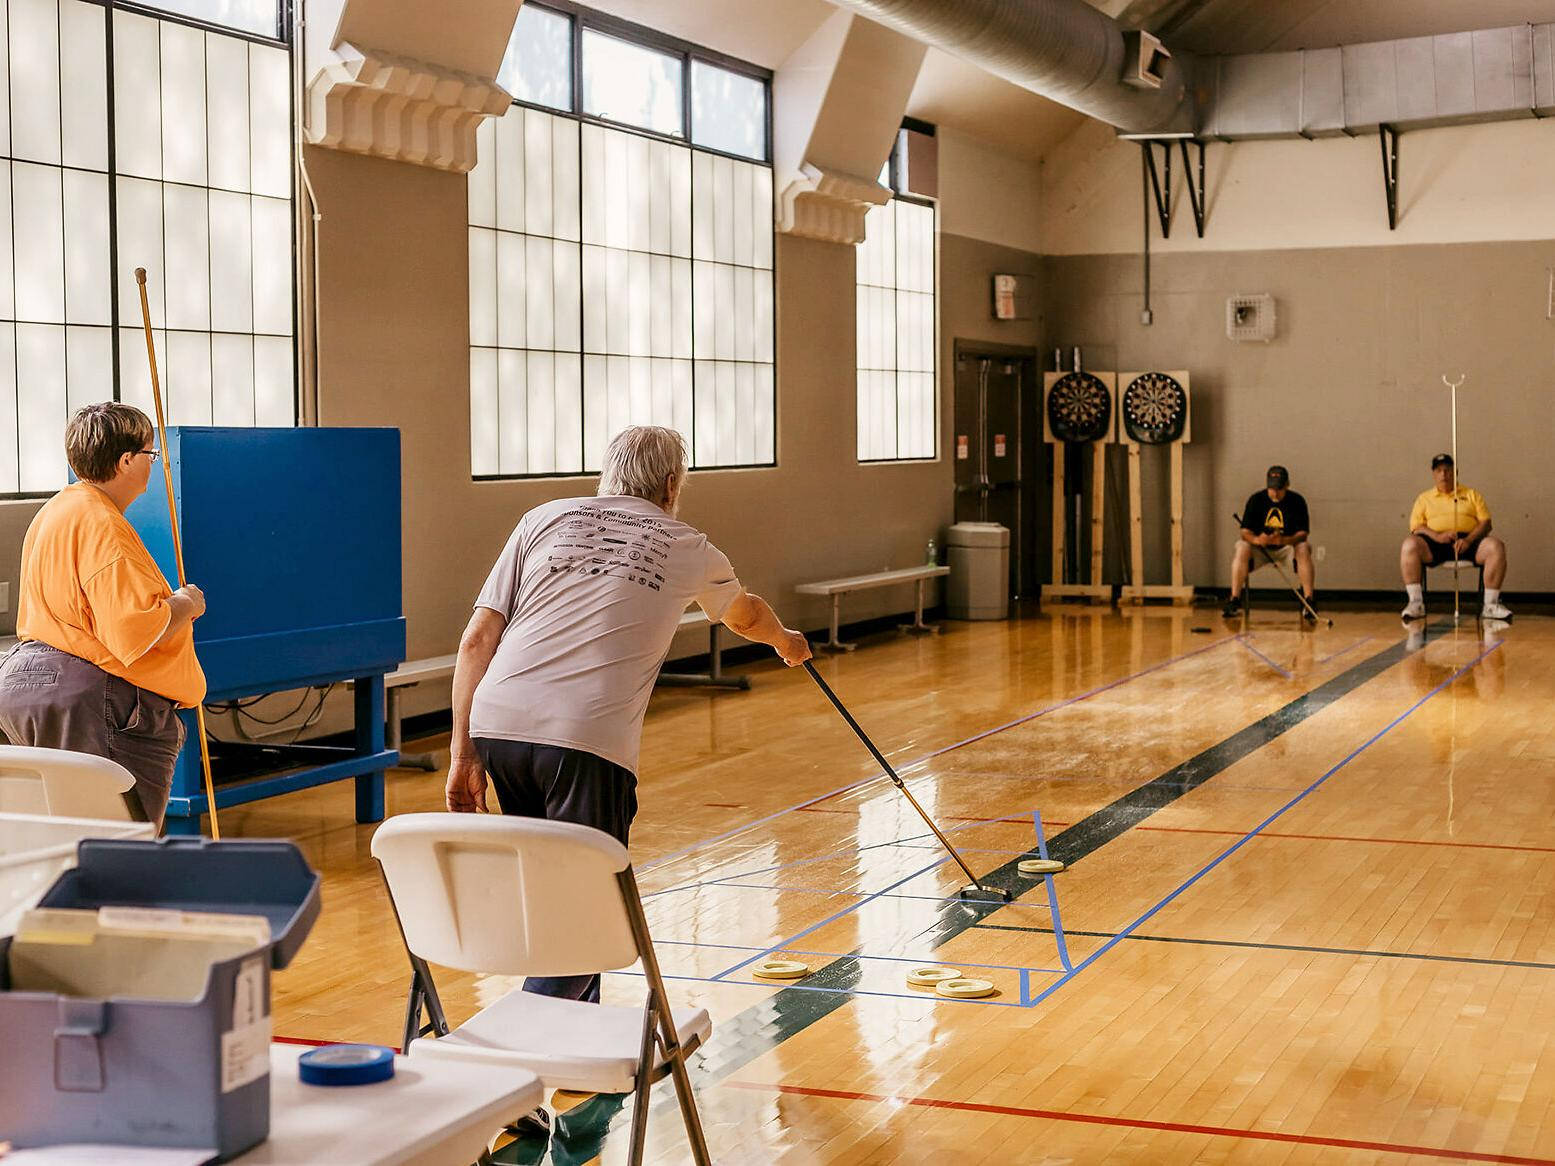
943, 817
1142, 1124
318, 1044
725, 805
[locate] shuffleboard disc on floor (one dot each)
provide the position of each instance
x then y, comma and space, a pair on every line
964, 989
1040, 866
929, 975
780, 969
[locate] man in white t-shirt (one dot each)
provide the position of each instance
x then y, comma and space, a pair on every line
558, 662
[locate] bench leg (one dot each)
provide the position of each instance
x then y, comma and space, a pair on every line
835, 644
407, 760
918, 627
714, 676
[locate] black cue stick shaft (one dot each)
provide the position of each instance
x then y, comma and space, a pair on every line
891, 773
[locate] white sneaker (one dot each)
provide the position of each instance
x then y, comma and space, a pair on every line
1495, 611
1414, 609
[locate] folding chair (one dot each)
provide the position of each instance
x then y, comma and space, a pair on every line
525, 896
1464, 565
63, 784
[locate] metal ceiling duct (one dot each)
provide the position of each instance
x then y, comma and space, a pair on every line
1493, 74
1064, 50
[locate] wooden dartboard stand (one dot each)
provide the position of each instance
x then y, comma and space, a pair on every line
1138, 591
1094, 591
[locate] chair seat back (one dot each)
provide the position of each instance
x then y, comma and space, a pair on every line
513, 896
63, 784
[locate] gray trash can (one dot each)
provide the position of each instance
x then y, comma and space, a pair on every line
979, 582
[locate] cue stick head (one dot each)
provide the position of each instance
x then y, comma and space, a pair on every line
140, 276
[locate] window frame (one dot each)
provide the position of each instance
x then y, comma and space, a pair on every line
116, 326
582, 17
894, 162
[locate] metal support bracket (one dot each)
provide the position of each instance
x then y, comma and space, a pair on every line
1388, 138
1159, 175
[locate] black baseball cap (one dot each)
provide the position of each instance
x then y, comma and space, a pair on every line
1277, 478
1441, 459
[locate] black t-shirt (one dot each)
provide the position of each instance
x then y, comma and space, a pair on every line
1265, 516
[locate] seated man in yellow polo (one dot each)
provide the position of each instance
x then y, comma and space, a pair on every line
1451, 521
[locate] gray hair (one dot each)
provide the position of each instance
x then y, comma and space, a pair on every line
639, 459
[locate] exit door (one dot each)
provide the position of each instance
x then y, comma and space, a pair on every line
989, 449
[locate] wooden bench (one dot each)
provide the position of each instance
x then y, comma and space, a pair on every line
714, 676
837, 588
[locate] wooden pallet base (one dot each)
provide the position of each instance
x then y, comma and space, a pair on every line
1177, 595
1092, 592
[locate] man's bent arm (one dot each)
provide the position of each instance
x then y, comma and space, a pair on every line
466, 779
752, 617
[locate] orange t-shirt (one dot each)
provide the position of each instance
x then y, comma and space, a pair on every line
90, 587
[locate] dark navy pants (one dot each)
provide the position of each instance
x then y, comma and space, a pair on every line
564, 785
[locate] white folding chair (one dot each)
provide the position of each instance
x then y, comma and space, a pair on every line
529, 897
63, 784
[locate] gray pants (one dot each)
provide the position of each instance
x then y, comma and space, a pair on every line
52, 700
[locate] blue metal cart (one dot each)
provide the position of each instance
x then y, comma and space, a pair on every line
294, 536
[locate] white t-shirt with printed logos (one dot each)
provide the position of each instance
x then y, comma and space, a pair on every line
592, 590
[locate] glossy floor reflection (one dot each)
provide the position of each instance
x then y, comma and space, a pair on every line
1308, 915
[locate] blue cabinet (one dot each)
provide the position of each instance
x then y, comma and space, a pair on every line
294, 536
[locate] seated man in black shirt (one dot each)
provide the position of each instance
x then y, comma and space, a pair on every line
1277, 520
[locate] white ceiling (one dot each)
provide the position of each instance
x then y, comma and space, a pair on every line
952, 93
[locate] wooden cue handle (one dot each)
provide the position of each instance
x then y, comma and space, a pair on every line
178, 544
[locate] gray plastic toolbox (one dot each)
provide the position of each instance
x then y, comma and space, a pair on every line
148, 1023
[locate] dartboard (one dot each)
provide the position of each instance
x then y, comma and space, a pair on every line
1155, 409
1079, 408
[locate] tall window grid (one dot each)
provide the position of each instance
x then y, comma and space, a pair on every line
128, 140
621, 257
896, 331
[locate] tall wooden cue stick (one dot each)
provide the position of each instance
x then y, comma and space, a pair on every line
178, 543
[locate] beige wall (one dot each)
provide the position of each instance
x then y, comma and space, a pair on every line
1348, 395
1457, 184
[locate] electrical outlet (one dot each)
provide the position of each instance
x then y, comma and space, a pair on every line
1320, 554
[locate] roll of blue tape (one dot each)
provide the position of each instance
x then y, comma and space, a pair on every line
346, 1065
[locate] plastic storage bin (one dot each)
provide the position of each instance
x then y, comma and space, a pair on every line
979, 583
135, 1003
35, 849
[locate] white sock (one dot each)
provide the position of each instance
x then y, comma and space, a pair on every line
1416, 592
1492, 595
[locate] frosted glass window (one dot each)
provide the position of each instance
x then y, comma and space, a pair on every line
601, 262
728, 111
537, 68
260, 17
632, 84
201, 191
896, 333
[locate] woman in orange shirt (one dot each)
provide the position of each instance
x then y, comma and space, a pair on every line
106, 656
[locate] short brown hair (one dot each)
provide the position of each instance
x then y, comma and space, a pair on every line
97, 436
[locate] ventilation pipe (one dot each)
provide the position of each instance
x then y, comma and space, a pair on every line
1064, 50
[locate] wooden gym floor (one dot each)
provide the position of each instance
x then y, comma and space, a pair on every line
1309, 915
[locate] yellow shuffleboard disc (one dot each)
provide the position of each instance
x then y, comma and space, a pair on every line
781, 969
929, 975
1039, 866
963, 989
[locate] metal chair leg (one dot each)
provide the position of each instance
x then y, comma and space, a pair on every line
688, 1108
640, 1094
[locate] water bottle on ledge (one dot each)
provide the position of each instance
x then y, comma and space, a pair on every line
931, 554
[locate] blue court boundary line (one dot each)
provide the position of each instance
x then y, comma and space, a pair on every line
1344, 651
790, 986
895, 959
1246, 642
927, 757
1127, 931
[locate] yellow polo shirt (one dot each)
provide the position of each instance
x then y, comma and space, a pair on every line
90, 588
1435, 510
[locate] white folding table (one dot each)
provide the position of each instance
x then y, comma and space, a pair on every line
430, 1113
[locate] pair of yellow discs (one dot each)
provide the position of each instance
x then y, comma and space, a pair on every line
949, 982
